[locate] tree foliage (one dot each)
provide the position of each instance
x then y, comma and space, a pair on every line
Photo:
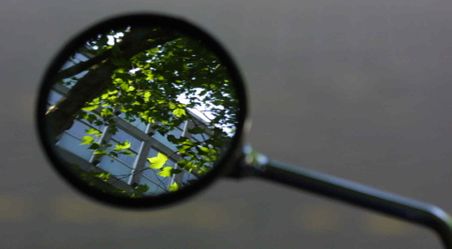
158, 77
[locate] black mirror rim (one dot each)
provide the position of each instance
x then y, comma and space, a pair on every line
230, 156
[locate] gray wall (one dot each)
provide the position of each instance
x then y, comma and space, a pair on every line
355, 88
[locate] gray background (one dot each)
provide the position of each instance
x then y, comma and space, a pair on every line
356, 88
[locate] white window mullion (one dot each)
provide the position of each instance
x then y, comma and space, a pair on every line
104, 137
140, 162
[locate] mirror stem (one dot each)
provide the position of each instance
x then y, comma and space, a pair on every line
256, 164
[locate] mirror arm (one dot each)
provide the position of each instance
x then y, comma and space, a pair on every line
427, 215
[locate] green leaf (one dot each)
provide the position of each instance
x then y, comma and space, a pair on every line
120, 70
98, 122
196, 130
104, 176
179, 112
123, 146
204, 149
100, 152
150, 120
90, 108
93, 131
112, 98
87, 140
113, 92
104, 96
94, 146
147, 96
118, 81
131, 89
166, 171
127, 153
172, 139
173, 187
149, 75
89, 117
124, 86
106, 112
142, 188
158, 161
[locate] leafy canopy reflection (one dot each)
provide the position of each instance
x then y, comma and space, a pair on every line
153, 76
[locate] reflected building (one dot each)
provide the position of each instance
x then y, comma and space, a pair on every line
125, 170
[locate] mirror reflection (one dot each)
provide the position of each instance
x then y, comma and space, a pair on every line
141, 111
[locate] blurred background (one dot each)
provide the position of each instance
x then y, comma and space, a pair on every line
355, 88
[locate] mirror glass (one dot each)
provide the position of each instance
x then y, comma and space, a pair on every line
140, 110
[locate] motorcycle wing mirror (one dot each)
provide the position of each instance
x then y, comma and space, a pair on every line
145, 110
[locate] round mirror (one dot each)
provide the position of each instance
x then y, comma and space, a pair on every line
141, 110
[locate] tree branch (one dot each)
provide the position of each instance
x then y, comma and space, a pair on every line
82, 66
98, 79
